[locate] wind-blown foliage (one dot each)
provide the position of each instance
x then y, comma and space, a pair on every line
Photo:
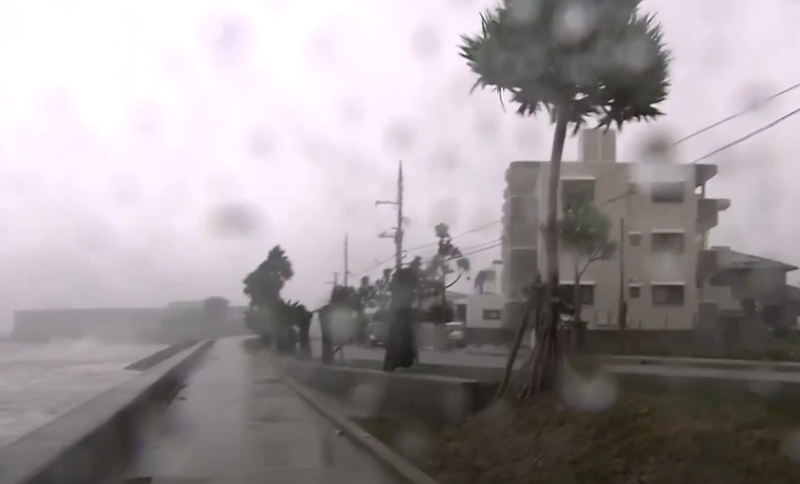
298, 318
401, 348
436, 273
263, 286
586, 234
601, 59
268, 315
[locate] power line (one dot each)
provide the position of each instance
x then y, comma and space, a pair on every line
747, 110
474, 249
425, 246
748, 136
470, 231
496, 244
716, 124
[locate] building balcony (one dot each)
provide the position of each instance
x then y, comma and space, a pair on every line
708, 212
703, 173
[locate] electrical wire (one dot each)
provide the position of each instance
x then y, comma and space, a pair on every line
425, 246
694, 134
716, 124
747, 136
747, 110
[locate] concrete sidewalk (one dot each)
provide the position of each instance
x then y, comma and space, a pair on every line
237, 423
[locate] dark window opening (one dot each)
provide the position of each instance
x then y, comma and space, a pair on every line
492, 314
668, 192
668, 295
586, 293
668, 242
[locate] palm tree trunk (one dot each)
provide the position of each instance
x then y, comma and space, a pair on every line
545, 359
530, 308
578, 329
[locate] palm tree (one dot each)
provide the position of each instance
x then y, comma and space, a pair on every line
602, 59
264, 284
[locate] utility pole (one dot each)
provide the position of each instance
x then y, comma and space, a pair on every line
335, 281
397, 235
346, 259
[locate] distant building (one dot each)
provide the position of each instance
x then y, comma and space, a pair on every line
738, 277
177, 322
482, 312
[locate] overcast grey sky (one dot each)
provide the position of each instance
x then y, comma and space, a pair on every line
128, 127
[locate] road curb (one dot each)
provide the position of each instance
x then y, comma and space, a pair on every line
361, 437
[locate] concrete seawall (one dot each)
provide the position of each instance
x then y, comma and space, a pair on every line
88, 443
150, 361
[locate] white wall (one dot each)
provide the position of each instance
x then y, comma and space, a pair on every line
478, 304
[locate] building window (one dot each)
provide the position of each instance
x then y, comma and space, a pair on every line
635, 292
492, 314
668, 242
577, 188
586, 293
668, 192
721, 279
635, 238
668, 295
461, 312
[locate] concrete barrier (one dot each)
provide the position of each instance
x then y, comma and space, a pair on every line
93, 440
765, 382
159, 356
486, 374
425, 397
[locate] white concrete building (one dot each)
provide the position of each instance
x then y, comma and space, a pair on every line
482, 312
661, 218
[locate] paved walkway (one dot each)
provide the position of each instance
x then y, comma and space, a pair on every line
236, 423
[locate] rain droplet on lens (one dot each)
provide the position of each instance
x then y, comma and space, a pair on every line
755, 95
399, 136
229, 40
425, 44
235, 220
261, 143
594, 394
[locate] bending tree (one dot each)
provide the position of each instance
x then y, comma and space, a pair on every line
613, 68
339, 320
299, 319
263, 286
585, 233
381, 298
401, 348
439, 269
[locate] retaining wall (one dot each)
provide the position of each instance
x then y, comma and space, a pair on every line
93, 440
752, 380
426, 397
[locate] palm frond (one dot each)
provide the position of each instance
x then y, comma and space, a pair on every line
617, 71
